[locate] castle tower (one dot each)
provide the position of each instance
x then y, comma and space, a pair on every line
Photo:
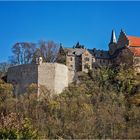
122, 40
113, 43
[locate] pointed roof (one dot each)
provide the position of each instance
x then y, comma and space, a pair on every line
122, 31
61, 46
113, 37
123, 37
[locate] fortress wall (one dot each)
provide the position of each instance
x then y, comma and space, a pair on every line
22, 76
71, 76
46, 75
61, 77
54, 76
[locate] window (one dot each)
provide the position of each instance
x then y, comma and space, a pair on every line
86, 59
86, 66
71, 66
71, 59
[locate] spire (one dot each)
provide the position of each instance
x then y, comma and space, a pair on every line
123, 32
61, 46
113, 37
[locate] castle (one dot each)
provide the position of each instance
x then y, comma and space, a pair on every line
57, 76
124, 50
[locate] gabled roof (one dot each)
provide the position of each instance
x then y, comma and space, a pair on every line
74, 51
134, 45
134, 41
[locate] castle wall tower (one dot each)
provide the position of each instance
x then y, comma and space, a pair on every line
113, 43
53, 76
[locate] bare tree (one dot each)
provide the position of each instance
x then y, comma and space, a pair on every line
22, 53
49, 50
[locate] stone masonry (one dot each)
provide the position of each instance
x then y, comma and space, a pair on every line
53, 76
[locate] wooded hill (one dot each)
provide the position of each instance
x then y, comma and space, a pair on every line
101, 104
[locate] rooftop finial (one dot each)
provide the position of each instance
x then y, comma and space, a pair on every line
113, 37
61, 45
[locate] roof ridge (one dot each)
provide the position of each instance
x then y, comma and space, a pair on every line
133, 36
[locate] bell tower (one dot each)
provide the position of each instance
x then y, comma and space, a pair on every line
113, 43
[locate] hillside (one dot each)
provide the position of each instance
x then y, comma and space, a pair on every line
101, 104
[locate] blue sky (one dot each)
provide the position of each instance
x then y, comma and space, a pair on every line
65, 22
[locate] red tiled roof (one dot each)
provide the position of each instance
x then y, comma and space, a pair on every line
134, 41
135, 51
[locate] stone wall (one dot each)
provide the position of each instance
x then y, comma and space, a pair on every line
46, 75
70, 62
53, 76
71, 76
22, 76
61, 77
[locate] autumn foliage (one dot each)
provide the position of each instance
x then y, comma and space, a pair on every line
101, 104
